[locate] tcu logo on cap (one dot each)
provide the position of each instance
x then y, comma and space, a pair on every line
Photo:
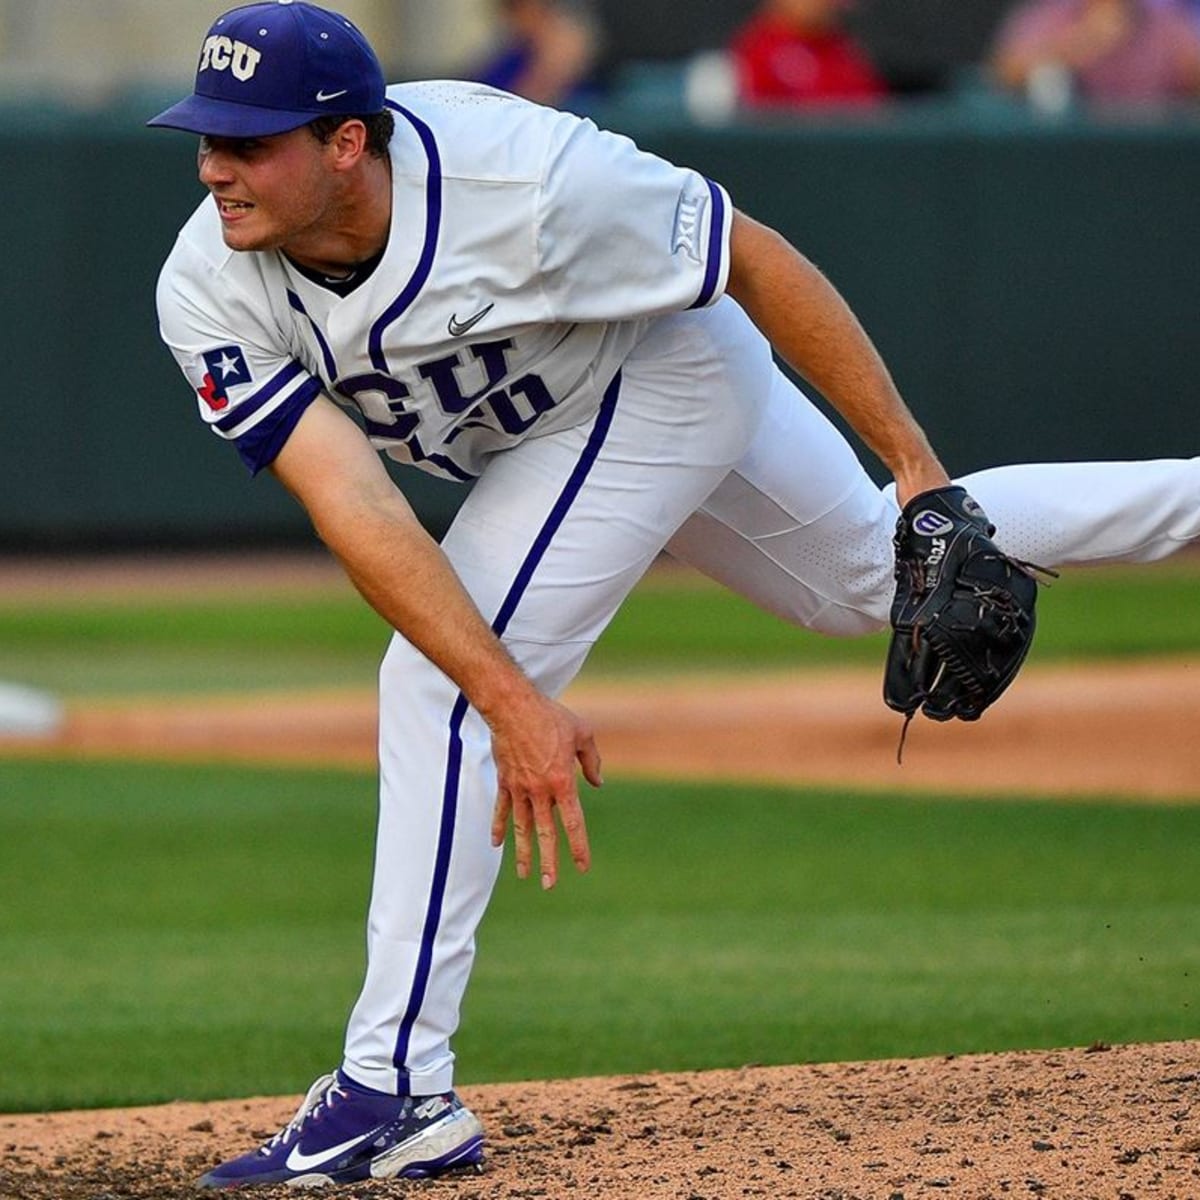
224, 54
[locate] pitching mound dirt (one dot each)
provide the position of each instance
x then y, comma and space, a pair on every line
1096, 1124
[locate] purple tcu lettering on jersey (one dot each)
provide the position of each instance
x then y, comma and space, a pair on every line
442, 374
502, 403
381, 397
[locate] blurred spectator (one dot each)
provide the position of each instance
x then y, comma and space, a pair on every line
547, 51
796, 52
1191, 7
1105, 50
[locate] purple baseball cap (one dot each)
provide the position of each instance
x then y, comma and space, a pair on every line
267, 68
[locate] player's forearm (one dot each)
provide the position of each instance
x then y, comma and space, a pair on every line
399, 569
813, 329
403, 574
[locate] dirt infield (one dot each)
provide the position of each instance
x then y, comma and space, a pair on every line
1080, 1124
1121, 729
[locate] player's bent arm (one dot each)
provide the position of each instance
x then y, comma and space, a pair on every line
330, 467
813, 329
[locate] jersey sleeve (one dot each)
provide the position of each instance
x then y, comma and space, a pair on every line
624, 234
249, 389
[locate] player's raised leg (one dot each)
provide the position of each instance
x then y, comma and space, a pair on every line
812, 544
798, 527
1092, 512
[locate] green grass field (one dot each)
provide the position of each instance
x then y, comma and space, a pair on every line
183, 931
299, 639
197, 932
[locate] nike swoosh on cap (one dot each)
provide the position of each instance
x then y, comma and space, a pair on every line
299, 1161
323, 96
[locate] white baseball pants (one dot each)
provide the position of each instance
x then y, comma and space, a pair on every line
701, 447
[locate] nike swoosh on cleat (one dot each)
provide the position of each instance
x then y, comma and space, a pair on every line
298, 1161
457, 328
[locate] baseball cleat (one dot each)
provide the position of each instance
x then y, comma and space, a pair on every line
342, 1133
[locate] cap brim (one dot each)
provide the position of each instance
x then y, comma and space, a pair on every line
223, 118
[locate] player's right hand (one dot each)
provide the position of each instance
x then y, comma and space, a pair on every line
536, 750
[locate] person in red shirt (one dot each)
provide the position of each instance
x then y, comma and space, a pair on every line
796, 52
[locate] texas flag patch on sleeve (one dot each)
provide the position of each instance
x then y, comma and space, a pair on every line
224, 368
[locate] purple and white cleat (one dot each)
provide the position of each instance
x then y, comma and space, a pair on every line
342, 1133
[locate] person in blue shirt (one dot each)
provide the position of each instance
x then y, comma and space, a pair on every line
547, 53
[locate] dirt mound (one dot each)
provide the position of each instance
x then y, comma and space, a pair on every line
1094, 1124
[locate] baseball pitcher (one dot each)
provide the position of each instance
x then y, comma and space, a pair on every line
494, 291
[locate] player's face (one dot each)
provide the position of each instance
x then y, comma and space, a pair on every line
269, 191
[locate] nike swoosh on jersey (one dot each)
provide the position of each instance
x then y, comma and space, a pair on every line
323, 96
457, 328
298, 1161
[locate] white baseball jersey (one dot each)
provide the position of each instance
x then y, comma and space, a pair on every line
526, 250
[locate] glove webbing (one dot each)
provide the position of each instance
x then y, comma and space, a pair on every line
948, 657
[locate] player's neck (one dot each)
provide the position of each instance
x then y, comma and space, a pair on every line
354, 231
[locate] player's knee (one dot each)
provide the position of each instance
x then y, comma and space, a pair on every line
845, 615
855, 605
845, 622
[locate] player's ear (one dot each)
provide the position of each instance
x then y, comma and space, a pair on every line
348, 143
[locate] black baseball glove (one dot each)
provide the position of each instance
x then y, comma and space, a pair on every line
963, 614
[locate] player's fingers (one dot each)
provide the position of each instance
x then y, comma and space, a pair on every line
500, 815
522, 818
588, 754
547, 838
570, 811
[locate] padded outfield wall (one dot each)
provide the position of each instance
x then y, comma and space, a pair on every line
1034, 285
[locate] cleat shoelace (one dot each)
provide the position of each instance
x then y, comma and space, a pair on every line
320, 1095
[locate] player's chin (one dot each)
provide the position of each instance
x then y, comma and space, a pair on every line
248, 234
